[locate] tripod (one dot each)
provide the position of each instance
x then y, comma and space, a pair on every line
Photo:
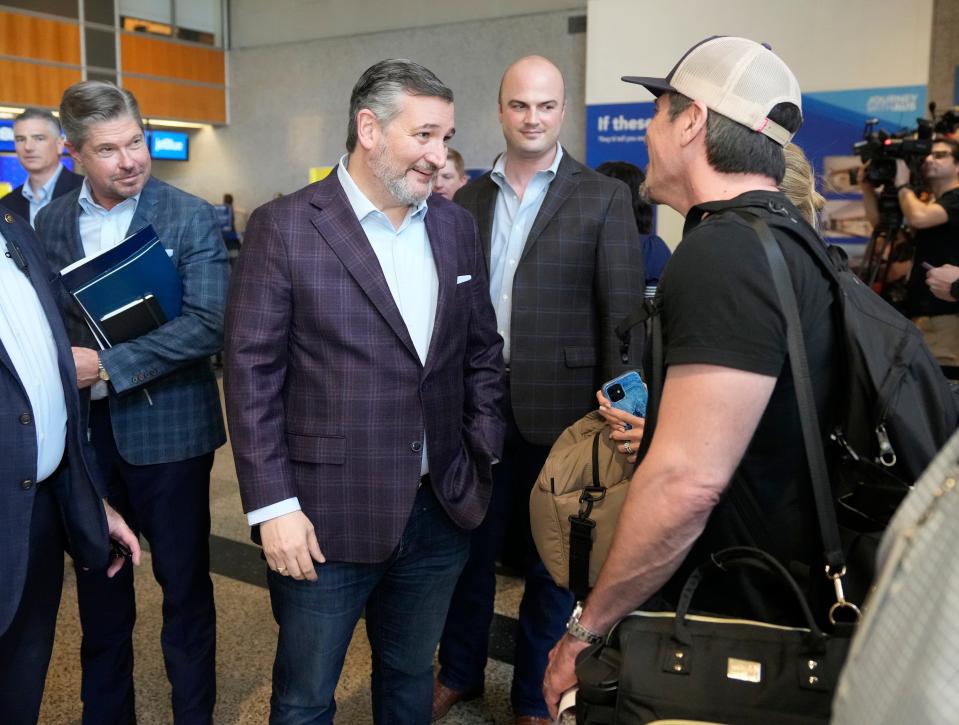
874, 270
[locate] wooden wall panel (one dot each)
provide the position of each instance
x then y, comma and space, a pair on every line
159, 99
32, 84
27, 36
141, 54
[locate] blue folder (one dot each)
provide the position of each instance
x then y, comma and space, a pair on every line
138, 266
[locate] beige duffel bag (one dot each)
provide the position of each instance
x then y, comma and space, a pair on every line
584, 458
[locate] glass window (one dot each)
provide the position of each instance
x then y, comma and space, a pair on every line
98, 11
101, 47
199, 20
156, 10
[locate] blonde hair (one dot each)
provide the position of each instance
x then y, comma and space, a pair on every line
799, 184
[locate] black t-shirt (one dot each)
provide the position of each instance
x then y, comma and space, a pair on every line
720, 308
936, 245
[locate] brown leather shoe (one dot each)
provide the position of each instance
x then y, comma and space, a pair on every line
532, 720
445, 697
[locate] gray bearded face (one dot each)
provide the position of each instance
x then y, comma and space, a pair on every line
393, 176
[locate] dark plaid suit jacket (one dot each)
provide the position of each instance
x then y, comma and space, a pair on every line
580, 274
16, 202
182, 417
79, 492
326, 397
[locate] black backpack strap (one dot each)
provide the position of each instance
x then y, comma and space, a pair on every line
625, 327
656, 371
808, 416
581, 530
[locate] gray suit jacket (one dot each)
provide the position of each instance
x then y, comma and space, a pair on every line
172, 362
580, 274
16, 202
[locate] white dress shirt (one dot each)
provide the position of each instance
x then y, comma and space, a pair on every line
26, 336
40, 199
512, 221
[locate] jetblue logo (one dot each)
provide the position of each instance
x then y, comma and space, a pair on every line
165, 143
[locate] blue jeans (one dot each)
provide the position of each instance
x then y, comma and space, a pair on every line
406, 598
544, 609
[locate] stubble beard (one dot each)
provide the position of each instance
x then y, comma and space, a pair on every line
398, 186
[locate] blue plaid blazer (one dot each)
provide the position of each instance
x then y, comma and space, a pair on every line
181, 418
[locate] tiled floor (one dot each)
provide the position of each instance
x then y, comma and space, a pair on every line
246, 639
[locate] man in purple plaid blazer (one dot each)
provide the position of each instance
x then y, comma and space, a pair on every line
363, 379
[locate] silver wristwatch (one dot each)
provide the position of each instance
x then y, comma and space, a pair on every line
577, 631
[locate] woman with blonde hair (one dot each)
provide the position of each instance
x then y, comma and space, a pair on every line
799, 185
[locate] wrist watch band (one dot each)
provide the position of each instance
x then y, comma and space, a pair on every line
577, 631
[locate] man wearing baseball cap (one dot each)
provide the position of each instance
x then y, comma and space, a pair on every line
726, 465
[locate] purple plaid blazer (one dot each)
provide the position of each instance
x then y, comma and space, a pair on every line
326, 397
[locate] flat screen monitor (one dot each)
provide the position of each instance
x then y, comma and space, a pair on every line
169, 145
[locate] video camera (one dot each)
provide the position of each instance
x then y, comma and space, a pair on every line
948, 122
883, 148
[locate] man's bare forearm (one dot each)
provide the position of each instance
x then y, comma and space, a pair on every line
662, 517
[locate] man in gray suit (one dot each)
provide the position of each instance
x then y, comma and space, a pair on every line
39, 145
565, 267
154, 414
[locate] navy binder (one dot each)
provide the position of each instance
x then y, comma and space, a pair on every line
137, 268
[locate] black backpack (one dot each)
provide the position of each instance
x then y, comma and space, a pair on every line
899, 409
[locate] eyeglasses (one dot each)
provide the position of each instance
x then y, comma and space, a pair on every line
940, 154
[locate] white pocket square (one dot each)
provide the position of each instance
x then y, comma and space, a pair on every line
463, 278
169, 252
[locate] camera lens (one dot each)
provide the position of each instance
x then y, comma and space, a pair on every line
616, 393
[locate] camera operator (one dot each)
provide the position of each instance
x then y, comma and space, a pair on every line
936, 228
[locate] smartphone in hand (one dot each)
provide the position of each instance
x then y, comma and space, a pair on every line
628, 393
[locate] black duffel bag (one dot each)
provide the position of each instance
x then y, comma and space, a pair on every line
656, 666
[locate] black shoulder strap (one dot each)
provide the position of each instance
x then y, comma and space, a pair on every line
649, 314
624, 329
809, 418
656, 372
581, 529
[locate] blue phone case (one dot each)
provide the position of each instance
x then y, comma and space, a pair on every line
635, 395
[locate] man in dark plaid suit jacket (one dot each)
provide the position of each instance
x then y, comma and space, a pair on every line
155, 415
565, 264
363, 380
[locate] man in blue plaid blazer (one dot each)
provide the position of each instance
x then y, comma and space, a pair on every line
154, 411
